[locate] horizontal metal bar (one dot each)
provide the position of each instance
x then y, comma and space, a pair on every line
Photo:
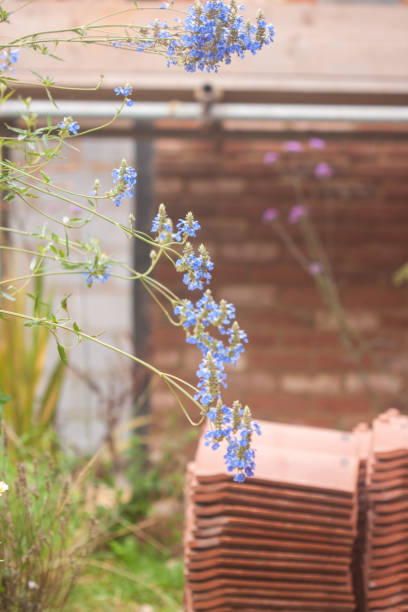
222, 112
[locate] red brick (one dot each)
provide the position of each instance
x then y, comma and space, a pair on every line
378, 170
315, 384
282, 274
217, 186
252, 252
377, 298
389, 384
333, 361
219, 228
359, 321
251, 296
310, 339
276, 359
295, 298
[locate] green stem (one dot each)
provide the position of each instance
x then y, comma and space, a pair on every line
165, 377
38, 275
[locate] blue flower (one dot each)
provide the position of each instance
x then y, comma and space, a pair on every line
200, 319
124, 180
125, 92
8, 58
162, 226
187, 227
212, 33
197, 268
13, 56
73, 127
69, 124
101, 273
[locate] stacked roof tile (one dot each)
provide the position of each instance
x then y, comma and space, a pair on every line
319, 527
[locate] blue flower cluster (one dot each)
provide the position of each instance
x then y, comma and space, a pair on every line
162, 225
97, 271
211, 326
187, 227
197, 267
212, 33
124, 180
126, 92
8, 58
70, 125
236, 427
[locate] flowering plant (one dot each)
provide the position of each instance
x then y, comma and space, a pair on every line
210, 34
311, 255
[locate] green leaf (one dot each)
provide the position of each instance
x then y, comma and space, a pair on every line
51, 395
4, 398
49, 96
45, 177
401, 275
67, 242
62, 353
7, 296
64, 302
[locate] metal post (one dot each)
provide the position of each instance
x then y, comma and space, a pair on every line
141, 261
5, 237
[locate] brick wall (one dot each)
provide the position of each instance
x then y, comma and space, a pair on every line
295, 368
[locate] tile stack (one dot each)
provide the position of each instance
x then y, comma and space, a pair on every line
386, 561
283, 540
363, 436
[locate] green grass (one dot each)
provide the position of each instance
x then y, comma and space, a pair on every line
127, 575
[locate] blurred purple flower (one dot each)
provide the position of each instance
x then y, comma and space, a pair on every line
270, 157
292, 146
315, 268
323, 170
316, 143
297, 213
270, 214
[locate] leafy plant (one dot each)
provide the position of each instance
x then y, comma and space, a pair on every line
33, 395
129, 574
45, 535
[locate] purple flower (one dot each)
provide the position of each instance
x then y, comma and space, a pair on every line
292, 146
270, 214
297, 213
323, 170
270, 157
315, 268
316, 143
